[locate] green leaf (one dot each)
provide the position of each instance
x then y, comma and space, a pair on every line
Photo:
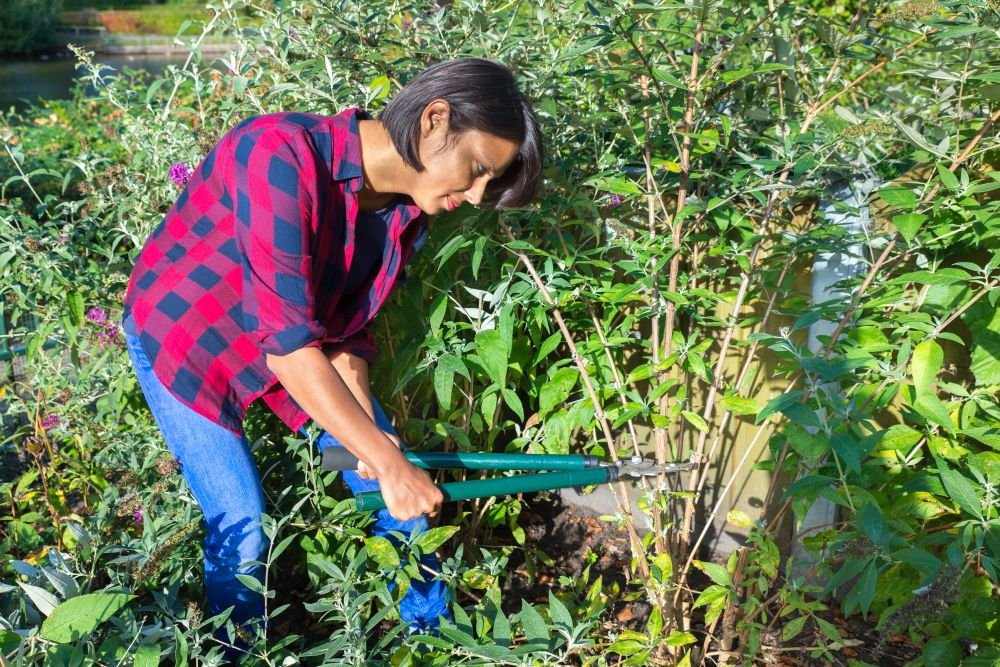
494, 354
985, 363
695, 420
740, 406
809, 446
793, 628
988, 436
960, 490
501, 629
897, 195
437, 311
147, 656
924, 366
556, 391
78, 617
510, 397
534, 625
381, 550
614, 184
947, 276
430, 540
450, 248
942, 652
776, 404
899, 436
931, 408
626, 647
74, 302
679, 638
908, 224
560, 615
717, 573
448, 365
948, 178
866, 587
379, 88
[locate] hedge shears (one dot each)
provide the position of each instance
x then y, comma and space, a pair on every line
566, 470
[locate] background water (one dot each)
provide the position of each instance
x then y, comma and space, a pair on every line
53, 78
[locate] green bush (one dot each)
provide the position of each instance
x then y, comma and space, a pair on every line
28, 25
692, 152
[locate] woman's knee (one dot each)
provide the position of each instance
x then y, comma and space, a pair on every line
231, 542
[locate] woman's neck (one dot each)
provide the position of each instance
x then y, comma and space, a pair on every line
385, 173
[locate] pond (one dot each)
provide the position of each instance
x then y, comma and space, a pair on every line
52, 78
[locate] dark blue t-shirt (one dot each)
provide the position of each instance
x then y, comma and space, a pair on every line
369, 244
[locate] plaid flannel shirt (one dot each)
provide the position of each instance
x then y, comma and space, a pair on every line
251, 259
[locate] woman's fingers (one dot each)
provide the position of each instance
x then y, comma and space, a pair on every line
364, 472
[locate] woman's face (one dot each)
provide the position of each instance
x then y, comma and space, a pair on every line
456, 168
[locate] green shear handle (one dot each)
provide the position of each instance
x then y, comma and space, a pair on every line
573, 470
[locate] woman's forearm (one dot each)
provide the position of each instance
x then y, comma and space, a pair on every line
323, 394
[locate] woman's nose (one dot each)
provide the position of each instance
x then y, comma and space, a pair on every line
474, 195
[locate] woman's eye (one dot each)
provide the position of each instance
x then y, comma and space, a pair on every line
480, 169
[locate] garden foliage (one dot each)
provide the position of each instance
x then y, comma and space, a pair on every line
695, 150
28, 25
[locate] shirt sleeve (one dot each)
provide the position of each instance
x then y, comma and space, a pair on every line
275, 191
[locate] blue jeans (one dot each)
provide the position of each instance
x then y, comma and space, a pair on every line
221, 473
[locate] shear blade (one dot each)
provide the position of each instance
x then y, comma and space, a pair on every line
646, 468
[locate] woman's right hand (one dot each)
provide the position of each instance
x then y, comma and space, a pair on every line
408, 491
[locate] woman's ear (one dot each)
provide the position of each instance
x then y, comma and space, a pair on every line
435, 117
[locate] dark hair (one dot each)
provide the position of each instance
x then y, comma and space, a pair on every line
483, 96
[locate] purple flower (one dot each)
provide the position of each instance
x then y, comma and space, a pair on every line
293, 34
108, 335
406, 24
50, 421
137, 515
180, 173
96, 315
63, 239
615, 201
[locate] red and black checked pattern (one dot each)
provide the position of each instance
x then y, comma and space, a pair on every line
252, 259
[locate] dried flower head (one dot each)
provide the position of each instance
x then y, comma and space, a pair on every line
913, 11
867, 129
159, 556
34, 445
167, 465
926, 605
33, 244
194, 614
65, 395
128, 504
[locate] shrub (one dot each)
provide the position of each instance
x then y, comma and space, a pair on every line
649, 303
28, 25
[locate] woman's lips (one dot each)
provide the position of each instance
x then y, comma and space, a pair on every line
450, 203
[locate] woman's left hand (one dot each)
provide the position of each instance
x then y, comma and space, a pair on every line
364, 472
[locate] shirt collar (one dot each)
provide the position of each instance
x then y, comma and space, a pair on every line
346, 158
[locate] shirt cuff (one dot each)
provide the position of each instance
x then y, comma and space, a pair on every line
280, 343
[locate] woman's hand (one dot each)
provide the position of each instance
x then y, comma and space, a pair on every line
408, 491
367, 472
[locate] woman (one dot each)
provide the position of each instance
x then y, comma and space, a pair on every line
261, 280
